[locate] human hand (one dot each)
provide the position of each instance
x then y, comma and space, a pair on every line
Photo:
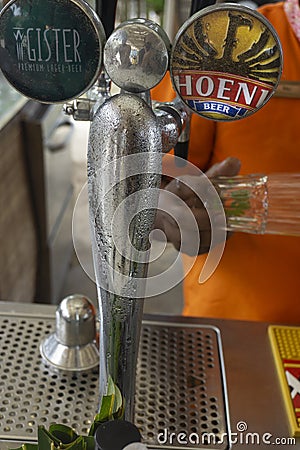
182, 214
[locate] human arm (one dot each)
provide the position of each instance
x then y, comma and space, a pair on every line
181, 228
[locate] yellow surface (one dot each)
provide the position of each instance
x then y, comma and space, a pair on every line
285, 344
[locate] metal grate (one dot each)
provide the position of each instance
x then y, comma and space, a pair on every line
31, 394
180, 385
181, 380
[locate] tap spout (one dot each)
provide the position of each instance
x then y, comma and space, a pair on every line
174, 119
124, 167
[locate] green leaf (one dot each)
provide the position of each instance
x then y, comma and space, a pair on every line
119, 405
89, 442
112, 406
77, 444
46, 440
62, 433
111, 387
106, 408
104, 414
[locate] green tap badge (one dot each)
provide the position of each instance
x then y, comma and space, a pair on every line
50, 50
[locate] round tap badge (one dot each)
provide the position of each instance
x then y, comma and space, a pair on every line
50, 50
226, 62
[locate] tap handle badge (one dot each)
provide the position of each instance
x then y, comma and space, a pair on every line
226, 62
50, 51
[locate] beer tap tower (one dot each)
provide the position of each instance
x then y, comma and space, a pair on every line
56, 51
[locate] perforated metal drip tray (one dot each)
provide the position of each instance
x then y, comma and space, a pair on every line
181, 399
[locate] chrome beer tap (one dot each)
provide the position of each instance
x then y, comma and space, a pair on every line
126, 143
129, 134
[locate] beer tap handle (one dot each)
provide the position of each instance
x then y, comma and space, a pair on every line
106, 10
56, 57
181, 149
200, 4
226, 61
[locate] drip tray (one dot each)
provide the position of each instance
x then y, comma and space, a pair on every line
181, 399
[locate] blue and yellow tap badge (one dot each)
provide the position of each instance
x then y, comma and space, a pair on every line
226, 62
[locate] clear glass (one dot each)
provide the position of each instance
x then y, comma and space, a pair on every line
283, 204
262, 204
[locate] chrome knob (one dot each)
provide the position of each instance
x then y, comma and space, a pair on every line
72, 346
75, 321
136, 55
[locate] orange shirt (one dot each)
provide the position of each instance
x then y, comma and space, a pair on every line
258, 276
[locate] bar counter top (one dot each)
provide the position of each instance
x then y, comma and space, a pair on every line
254, 396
